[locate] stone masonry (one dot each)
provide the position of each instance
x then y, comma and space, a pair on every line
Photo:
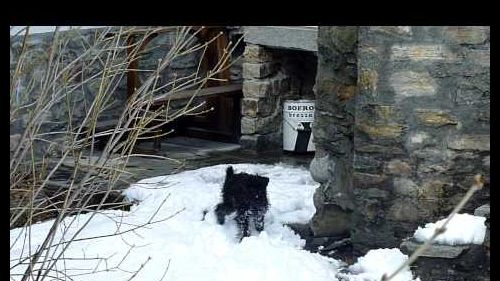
402, 127
77, 43
333, 130
272, 76
262, 87
421, 127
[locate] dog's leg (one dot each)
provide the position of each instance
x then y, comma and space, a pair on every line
242, 221
258, 219
221, 210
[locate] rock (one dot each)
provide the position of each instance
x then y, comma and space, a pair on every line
432, 190
365, 180
420, 52
376, 193
405, 187
473, 260
398, 167
435, 250
368, 79
418, 140
257, 54
480, 57
296, 38
375, 131
303, 230
483, 211
367, 164
262, 125
265, 87
258, 70
258, 107
486, 161
405, 210
412, 84
321, 168
313, 244
470, 142
375, 148
384, 113
467, 34
430, 155
435, 118
393, 30
330, 220
336, 244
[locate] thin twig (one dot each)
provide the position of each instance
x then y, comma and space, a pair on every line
477, 185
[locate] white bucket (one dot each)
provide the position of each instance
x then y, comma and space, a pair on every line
298, 116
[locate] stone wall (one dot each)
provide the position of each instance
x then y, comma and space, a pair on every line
272, 76
333, 130
157, 48
80, 99
420, 128
77, 101
72, 103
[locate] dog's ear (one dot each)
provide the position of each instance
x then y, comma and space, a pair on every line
229, 172
264, 180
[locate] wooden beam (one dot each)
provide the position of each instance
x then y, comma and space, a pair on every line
132, 79
211, 91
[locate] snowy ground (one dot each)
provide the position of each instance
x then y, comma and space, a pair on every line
196, 249
462, 229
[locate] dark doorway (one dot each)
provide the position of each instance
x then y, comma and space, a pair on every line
222, 113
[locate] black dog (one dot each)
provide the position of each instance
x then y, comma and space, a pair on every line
246, 195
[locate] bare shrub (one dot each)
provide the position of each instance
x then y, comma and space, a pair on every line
58, 173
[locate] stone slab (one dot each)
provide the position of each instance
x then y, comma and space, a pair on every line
289, 37
435, 250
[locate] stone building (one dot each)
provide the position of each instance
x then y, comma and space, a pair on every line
401, 125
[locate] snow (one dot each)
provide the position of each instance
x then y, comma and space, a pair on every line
186, 247
462, 229
375, 263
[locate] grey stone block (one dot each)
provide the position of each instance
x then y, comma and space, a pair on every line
321, 168
288, 37
258, 70
257, 142
258, 107
331, 220
257, 54
483, 211
470, 142
435, 250
467, 34
268, 87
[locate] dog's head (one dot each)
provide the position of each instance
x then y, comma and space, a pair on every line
261, 187
256, 185
259, 183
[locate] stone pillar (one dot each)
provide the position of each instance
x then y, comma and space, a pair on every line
421, 127
335, 88
263, 86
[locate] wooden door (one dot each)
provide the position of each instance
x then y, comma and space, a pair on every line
223, 122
